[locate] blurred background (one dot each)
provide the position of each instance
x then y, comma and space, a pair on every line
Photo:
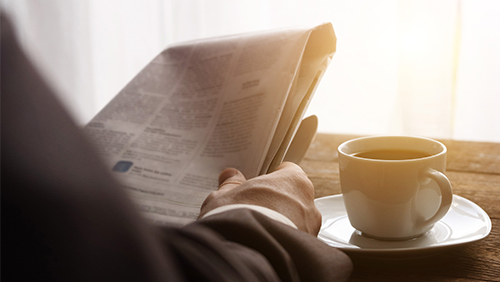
418, 67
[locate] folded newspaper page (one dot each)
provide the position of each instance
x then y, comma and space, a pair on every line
202, 106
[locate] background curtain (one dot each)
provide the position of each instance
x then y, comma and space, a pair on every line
429, 68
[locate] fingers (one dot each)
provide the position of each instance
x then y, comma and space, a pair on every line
290, 168
294, 173
230, 178
287, 190
288, 165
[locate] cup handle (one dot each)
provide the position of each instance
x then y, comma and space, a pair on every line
446, 194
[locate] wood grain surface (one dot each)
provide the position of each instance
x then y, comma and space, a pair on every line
474, 171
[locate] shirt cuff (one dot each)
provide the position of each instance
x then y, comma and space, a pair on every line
265, 211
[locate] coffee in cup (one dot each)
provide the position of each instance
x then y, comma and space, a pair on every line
394, 187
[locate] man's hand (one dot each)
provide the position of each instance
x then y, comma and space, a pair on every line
287, 190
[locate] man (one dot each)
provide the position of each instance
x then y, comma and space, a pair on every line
65, 218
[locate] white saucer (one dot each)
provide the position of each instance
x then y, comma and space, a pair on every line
464, 223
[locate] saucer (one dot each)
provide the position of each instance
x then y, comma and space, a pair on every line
464, 223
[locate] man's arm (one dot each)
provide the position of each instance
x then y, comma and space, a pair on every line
295, 254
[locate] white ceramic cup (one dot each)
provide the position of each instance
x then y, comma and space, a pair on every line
394, 199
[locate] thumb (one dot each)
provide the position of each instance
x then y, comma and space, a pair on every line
230, 178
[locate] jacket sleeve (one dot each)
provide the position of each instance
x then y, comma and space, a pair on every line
293, 254
245, 245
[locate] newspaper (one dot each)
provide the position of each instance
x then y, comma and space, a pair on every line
202, 106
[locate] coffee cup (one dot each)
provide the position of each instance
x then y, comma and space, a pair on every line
394, 187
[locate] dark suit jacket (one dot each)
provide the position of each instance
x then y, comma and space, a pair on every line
65, 218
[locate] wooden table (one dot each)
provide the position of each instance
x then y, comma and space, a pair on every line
474, 171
